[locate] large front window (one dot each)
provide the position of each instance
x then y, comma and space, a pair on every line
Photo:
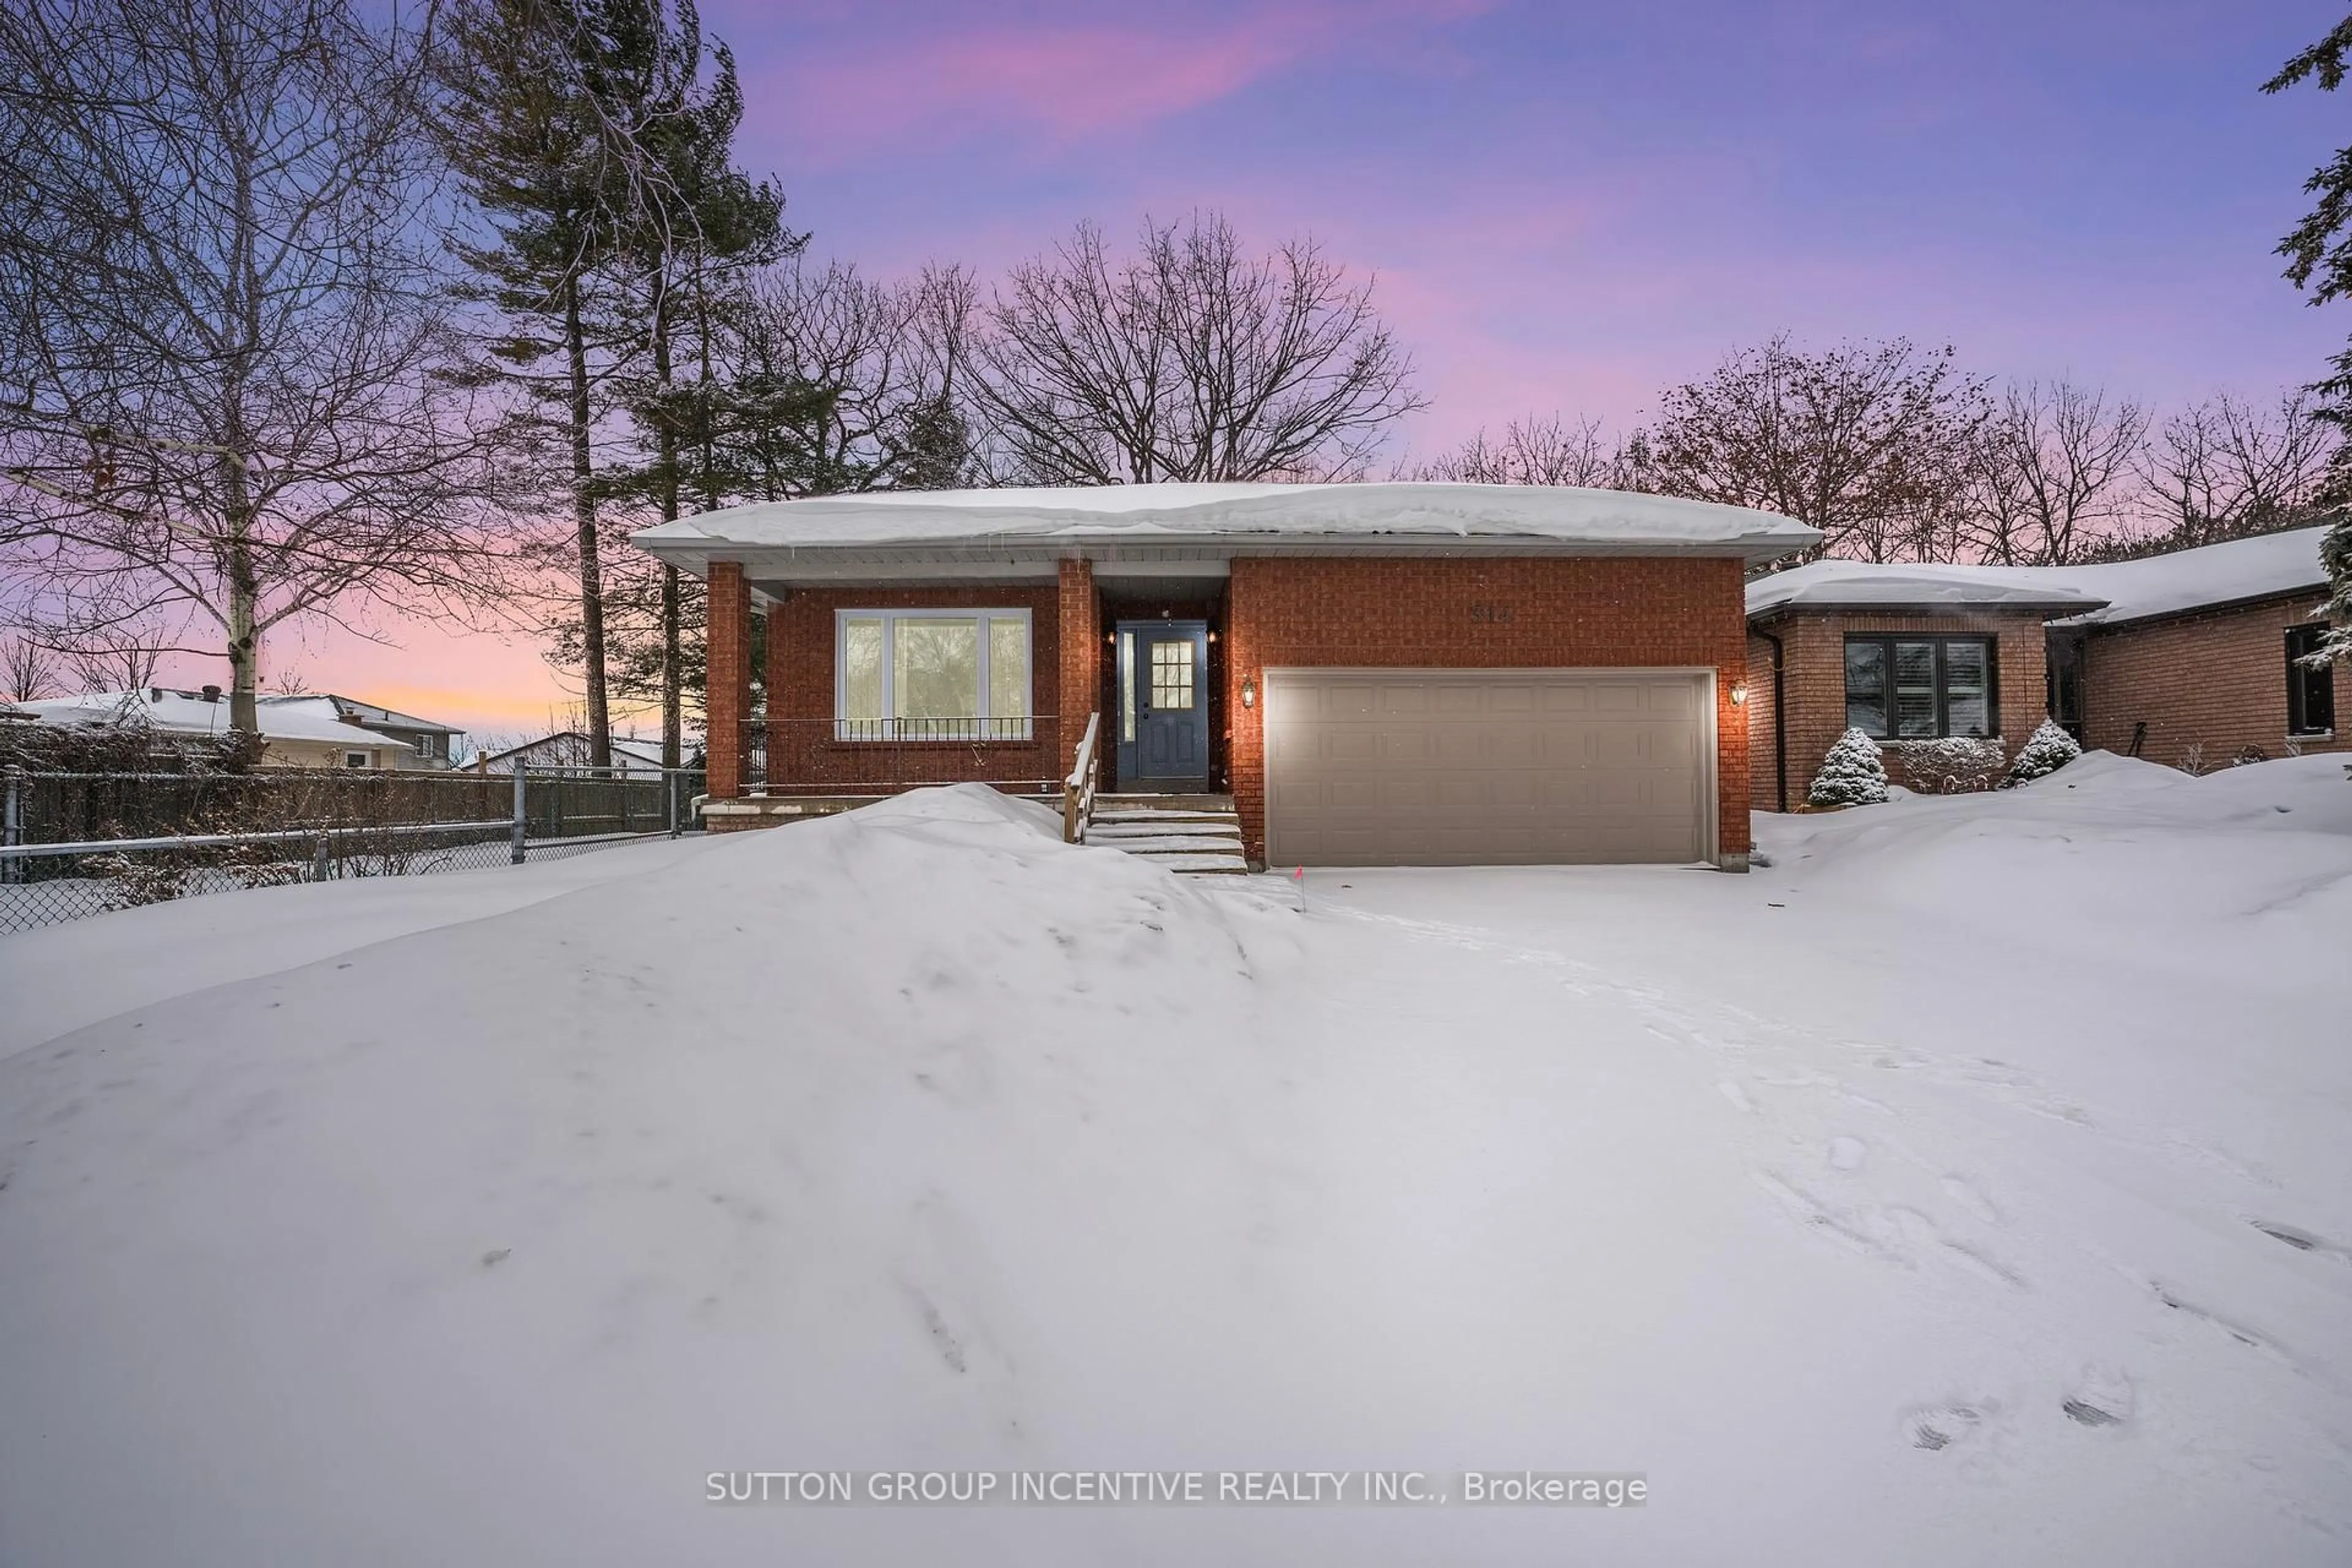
1920, 688
931, 675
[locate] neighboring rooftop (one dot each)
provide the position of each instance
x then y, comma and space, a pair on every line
1429, 518
2233, 571
206, 712
569, 748
370, 714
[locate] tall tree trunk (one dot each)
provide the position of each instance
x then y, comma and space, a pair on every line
244, 635
584, 505
672, 683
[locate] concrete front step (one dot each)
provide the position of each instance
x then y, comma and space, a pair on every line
1183, 844
1193, 835
1129, 799
1158, 831
1228, 864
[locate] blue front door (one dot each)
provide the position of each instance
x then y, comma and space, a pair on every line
1163, 734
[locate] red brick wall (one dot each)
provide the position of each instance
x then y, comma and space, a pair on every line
1618, 611
728, 699
2207, 685
803, 755
1762, 763
1814, 679
1078, 657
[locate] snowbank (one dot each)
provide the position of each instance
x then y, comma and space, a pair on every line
1872, 1216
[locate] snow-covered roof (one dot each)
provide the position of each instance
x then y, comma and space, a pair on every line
1235, 516
2226, 574
373, 714
629, 753
309, 719
1831, 585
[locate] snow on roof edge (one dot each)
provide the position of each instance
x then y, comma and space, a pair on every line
2234, 571
1236, 513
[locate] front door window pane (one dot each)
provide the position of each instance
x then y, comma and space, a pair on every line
1171, 677
1126, 687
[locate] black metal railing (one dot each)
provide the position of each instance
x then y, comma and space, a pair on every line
885, 756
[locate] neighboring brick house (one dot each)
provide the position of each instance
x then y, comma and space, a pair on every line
1377, 674
2190, 659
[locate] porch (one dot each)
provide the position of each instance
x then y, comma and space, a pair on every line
824, 697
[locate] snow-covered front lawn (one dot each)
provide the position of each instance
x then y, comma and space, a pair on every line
1973, 1184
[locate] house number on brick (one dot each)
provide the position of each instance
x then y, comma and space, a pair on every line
1489, 614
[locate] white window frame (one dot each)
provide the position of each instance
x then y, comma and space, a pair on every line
1007, 727
356, 760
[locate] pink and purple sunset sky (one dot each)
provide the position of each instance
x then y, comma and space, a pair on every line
1567, 205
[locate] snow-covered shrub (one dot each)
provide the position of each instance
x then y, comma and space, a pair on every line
1851, 775
2046, 751
1954, 765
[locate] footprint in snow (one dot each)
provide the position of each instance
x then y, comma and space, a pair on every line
1737, 1095
1937, 1427
2101, 1398
2300, 1239
1848, 1153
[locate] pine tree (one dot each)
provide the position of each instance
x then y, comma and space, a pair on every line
553, 168
2047, 750
704, 224
1851, 775
2319, 258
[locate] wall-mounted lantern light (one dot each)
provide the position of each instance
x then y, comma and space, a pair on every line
1739, 692
1249, 691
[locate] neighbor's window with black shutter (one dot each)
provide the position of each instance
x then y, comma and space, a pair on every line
1901, 687
2310, 692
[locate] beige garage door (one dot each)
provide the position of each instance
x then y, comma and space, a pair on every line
1486, 767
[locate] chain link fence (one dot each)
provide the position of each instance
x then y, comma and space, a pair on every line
76, 845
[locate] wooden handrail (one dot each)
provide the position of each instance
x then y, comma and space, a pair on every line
1078, 789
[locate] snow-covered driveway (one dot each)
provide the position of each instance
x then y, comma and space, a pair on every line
1971, 1185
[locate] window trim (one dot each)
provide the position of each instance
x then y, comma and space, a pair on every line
977, 729
1886, 641
355, 760
2300, 679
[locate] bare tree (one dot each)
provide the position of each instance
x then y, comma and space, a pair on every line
2050, 473
127, 665
2227, 468
1544, 451
225, 327
880, 366
1865, 441
1189, 360
28, 670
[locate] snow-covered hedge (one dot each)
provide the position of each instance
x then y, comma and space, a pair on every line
1851, 775
1954, 765
2046, 751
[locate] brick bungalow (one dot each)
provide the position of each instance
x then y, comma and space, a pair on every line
2188, 659
1399, 674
